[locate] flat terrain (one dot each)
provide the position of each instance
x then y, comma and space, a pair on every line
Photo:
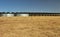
35, 26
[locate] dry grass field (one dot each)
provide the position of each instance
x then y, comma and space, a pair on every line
35, 26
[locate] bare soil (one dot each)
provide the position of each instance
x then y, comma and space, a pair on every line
31, 26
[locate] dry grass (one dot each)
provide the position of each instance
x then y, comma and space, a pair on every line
39, 26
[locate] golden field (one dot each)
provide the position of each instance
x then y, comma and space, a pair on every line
31, 26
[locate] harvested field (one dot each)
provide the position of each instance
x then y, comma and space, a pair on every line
35, 26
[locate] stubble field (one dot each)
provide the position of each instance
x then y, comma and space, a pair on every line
35, 26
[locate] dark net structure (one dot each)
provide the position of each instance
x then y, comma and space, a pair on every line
30, 13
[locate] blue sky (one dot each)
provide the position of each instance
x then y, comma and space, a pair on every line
29, 5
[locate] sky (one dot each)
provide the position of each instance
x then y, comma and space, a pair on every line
29, 5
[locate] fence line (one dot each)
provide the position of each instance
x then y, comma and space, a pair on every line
8, 14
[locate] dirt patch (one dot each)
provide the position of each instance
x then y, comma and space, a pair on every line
39, 26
